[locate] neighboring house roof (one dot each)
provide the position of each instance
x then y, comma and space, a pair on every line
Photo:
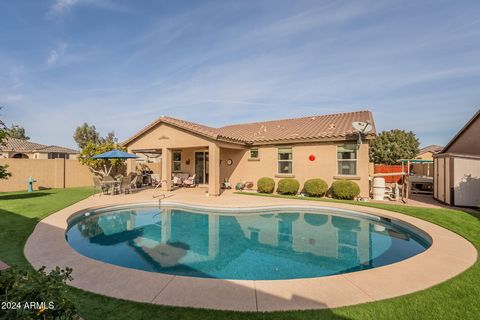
12, 144
475, 117
431, 148
19, 145
57, 149
320, 127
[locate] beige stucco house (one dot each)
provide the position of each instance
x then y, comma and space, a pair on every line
457, 167
310, 147
24, 149
428, 152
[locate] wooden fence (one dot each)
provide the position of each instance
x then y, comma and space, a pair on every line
417, 169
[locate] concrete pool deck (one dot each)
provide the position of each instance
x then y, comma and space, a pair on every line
448, 256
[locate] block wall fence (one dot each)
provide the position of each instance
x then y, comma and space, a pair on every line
49, 173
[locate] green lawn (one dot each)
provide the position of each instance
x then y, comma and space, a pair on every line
454, 299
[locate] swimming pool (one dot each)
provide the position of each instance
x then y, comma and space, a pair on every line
249, 244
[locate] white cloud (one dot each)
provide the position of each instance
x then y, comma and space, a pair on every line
61, 6
56, 54
12, 97
52, 57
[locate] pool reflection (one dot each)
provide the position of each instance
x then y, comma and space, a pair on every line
266, 246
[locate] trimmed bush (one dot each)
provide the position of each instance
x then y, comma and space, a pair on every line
315, 187
288, 186
345, 189
265, 185
27, 286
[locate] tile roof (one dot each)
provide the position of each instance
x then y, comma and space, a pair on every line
321, 127
13, 144
431, 148
58, 149
330, 126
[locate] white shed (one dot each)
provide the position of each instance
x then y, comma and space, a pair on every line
457, 167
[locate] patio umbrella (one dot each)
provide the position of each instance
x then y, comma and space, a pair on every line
114, 154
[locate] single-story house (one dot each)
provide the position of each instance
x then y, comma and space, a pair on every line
457, 167
24, 149
325, 146
428, 152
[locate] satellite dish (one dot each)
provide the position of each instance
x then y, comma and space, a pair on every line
362, 127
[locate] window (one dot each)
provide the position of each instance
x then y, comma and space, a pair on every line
58, 155
285, 160
347, 159
254, 153
177, 161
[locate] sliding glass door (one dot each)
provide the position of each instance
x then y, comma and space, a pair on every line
201, 167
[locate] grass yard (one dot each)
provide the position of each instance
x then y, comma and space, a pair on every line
454, 299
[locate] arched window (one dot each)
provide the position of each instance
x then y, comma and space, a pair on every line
20, 156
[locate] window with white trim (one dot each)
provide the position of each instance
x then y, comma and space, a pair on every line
177, 161
285, 160
347, 159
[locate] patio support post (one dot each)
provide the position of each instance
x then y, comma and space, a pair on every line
131, 165
166, 169
214, 170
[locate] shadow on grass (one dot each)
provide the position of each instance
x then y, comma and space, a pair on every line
15, 230
474, 213
18, 196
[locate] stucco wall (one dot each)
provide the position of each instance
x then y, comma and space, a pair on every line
165, 136
425, 156
324, 166
53, 173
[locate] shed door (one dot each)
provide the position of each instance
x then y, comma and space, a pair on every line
466, 182
441, 179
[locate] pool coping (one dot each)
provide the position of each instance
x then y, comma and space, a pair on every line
449, 255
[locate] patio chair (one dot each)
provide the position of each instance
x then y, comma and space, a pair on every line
126, 185
189, 182
97, 185
177, 181
133, 181
108, 184
108, 179
155, 179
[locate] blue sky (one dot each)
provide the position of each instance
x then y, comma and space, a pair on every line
121, 64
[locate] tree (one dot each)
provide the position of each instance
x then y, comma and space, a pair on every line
3, 136
86, 134
100, 166
391, 146
92, 144
17, 132
110, 138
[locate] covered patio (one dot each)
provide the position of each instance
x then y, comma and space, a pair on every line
202, 163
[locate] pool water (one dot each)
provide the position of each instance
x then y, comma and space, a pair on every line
277, 244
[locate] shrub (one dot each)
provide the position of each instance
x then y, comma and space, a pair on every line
315, 187
265, 185
288, 186
345, 189
47, 292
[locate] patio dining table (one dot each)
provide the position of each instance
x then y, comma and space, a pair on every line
111, 185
